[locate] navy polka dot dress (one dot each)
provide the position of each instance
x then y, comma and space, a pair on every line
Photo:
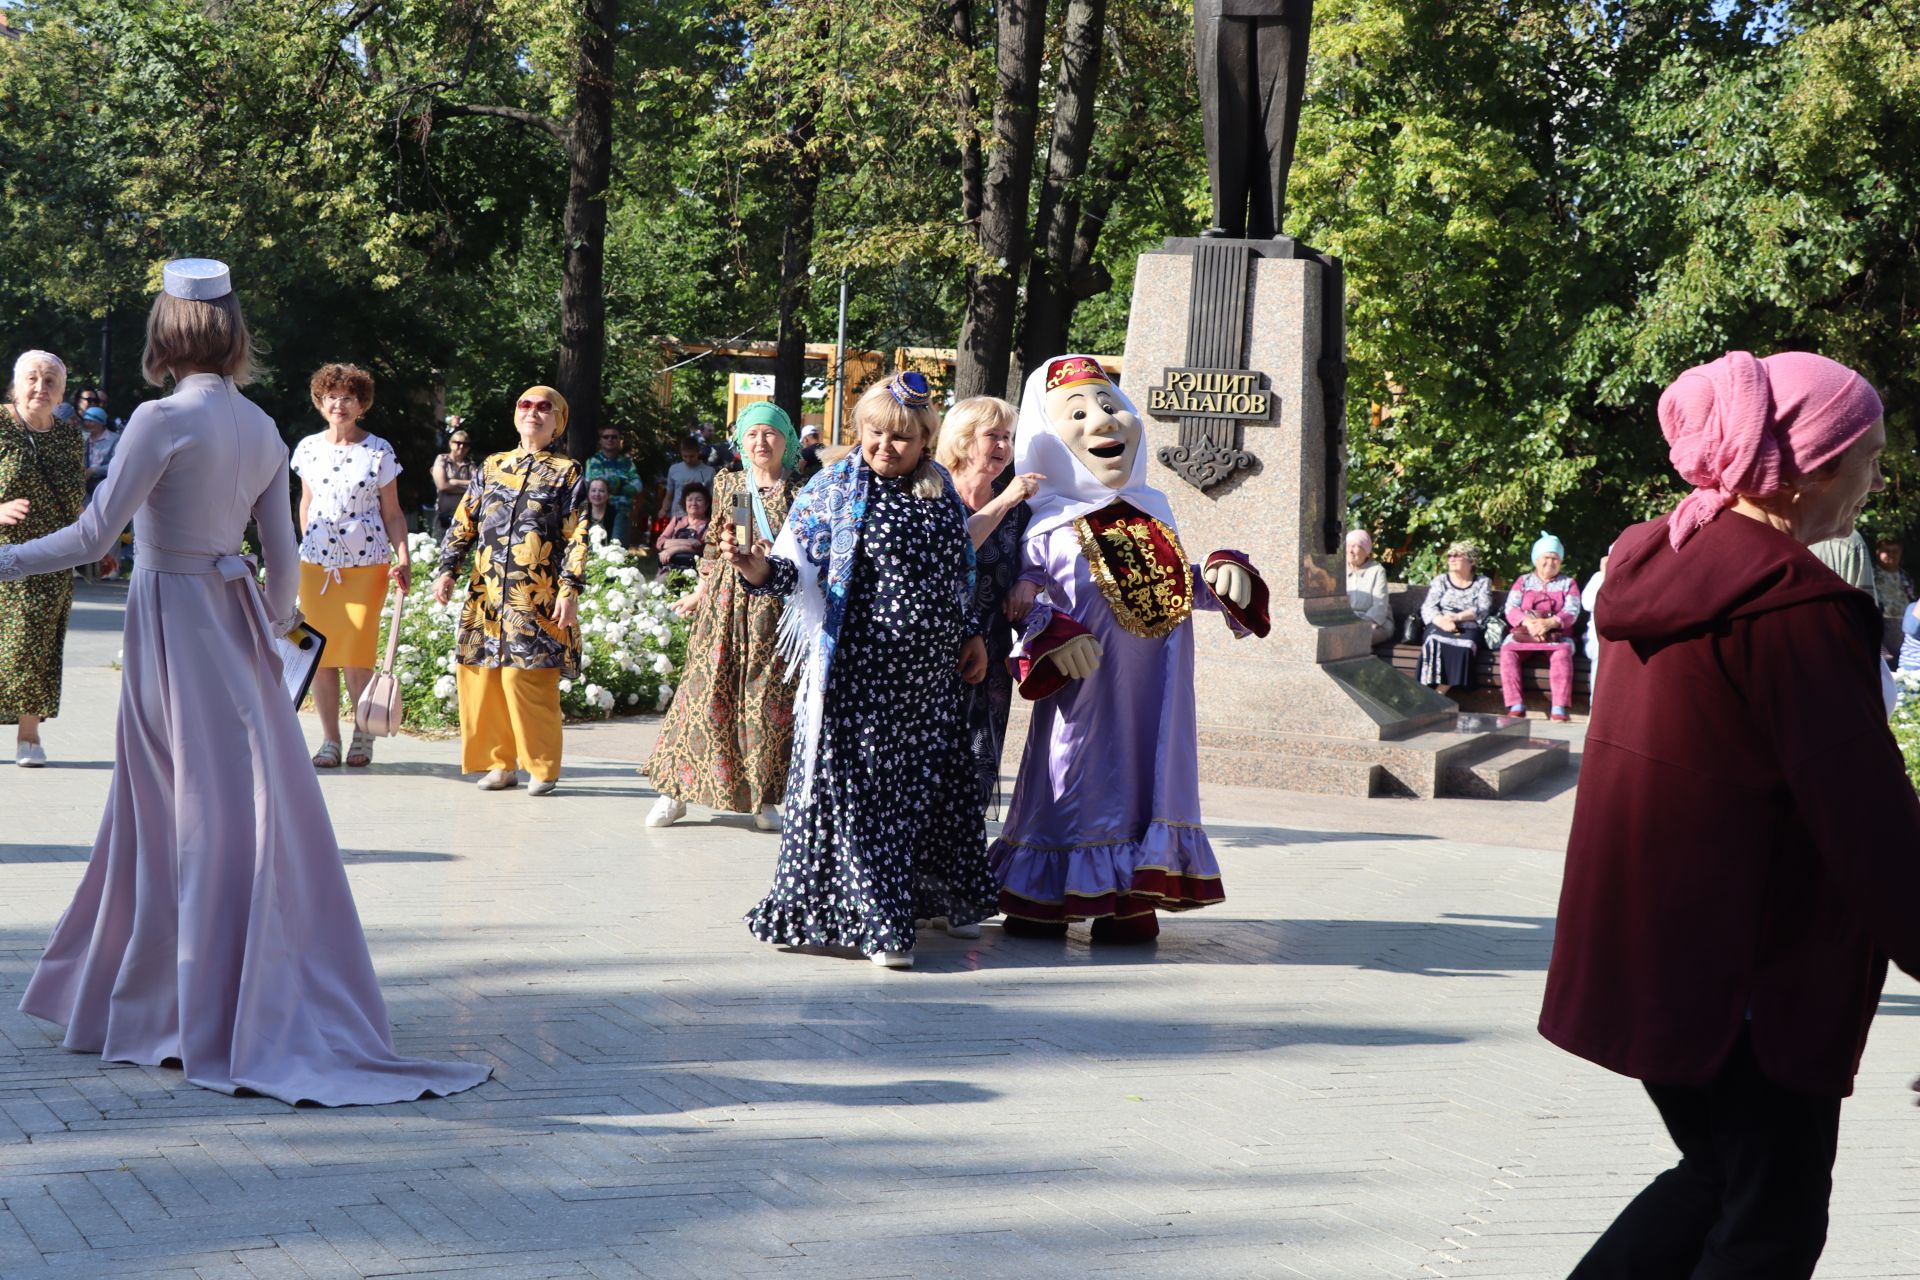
893, 830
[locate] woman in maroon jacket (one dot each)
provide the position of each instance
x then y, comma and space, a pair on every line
1745, 854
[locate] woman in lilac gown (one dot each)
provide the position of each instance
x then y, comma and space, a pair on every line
214, 925
1105, 819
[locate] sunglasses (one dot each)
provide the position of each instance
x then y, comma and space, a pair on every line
539, 406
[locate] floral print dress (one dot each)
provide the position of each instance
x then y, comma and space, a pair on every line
893, 829
48, 468
729, 733
524, 520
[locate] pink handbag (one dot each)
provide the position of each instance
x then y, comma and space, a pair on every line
380, 710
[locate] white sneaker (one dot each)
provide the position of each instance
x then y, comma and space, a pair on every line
499, 780
543, 786
768, 819
666, 811
30, 755
959, 930
893, 959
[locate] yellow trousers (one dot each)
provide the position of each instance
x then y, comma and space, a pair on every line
509, 718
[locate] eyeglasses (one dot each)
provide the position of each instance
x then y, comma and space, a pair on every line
609, 435
458, 440
89, 399
538, 406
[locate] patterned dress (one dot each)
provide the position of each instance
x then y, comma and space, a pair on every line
892, 830
49, 469
729, 732
524, 521
989, 703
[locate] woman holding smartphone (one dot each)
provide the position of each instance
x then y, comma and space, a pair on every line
729, 731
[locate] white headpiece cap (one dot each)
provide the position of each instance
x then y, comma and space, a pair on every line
198, 279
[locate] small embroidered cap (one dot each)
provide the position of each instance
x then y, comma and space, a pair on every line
197, 279
1073, 371
911, 390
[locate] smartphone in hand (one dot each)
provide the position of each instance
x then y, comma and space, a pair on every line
743, 522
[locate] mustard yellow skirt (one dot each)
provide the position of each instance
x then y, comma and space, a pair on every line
346, 612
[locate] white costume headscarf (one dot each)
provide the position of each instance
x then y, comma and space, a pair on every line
1071, 491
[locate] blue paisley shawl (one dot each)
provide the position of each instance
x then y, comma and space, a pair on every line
821, 539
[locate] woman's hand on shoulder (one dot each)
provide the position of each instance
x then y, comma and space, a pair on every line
1023, 487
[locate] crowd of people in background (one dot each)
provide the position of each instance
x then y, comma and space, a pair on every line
847, 685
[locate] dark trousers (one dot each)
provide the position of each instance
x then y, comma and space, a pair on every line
1749, 1196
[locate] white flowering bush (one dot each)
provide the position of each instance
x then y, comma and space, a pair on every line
631, 643
1906, 721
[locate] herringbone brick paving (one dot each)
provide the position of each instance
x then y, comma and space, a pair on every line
1332, 1075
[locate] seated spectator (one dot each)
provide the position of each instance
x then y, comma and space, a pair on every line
1894, 589
1849, 558
101, 440
624, 486
600, 511
1542, 608
689, 470
1367, 586
680, 542
1455, 613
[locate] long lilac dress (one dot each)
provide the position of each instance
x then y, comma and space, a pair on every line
214, 924
1105, 818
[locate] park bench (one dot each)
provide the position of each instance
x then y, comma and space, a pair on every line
1485, 695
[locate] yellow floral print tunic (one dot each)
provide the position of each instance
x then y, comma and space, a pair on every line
524, 520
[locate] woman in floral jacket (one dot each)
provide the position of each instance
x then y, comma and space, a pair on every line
524, 521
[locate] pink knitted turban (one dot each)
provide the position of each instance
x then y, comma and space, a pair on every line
1744, 426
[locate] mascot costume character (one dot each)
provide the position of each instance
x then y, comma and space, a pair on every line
1105, 819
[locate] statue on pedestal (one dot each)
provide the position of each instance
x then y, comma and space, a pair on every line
1251, 56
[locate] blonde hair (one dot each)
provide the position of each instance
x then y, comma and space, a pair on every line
964, 421
187, 334
877, 406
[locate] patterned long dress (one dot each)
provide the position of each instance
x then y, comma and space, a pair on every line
989, 703
49, 469
892, 831
729, 732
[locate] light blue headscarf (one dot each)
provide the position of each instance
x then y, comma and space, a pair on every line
1544, 543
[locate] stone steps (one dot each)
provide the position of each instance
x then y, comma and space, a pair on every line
1497, 776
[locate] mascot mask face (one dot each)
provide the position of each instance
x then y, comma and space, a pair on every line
1093, 421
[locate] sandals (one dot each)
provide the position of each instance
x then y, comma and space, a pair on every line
328, 756
360, 754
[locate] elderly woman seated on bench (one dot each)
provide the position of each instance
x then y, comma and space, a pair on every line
1455, 613
1367, 586
1542, 608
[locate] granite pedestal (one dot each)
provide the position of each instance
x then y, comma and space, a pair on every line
1308, 708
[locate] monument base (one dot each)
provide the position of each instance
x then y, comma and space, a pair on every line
1309, 707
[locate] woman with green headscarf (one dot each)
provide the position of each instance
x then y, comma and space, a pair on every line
729, 731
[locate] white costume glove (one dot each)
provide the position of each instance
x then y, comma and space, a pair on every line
1231, 581
1078, 658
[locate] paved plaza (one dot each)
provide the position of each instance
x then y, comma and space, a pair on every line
1334, 1074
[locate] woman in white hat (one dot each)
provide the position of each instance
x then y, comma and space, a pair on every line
214, 925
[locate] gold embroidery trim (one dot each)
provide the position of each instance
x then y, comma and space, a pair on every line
1159, 599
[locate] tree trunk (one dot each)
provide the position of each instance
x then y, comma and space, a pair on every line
986, 335
960, 26
796, 262
1050, 303
583, 302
